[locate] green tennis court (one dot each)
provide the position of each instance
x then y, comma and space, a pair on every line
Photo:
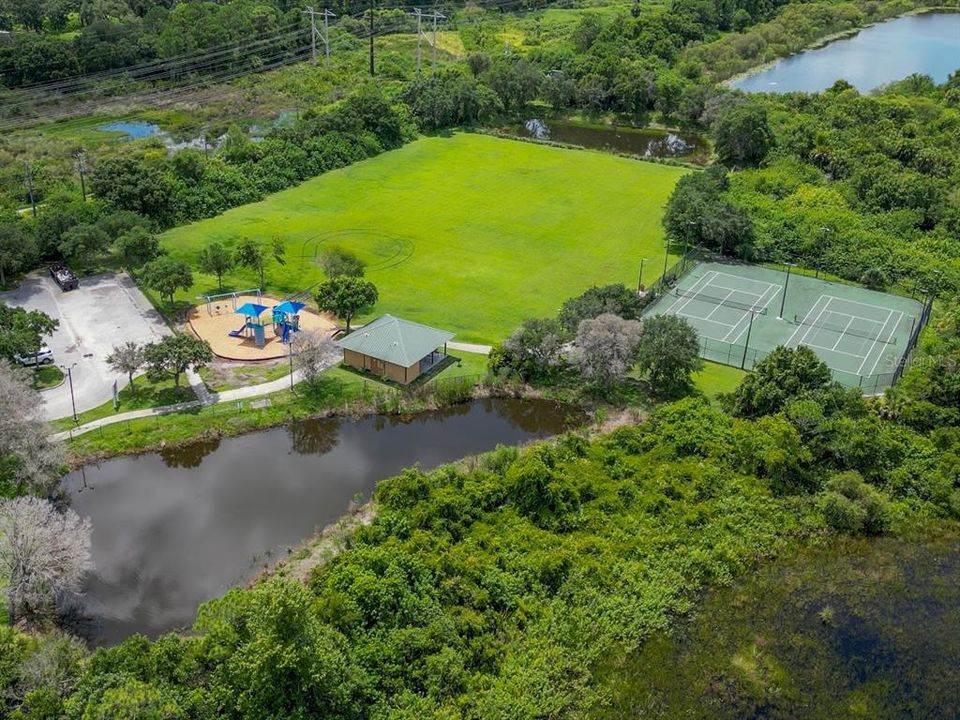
862, 335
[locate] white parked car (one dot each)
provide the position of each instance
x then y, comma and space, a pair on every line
43, 357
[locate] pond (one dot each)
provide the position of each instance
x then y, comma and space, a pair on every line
133, 129
174, 529
645, 142
859, 628
928, 44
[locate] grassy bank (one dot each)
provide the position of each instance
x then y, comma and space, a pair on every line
144, 393
336, 391
470, 233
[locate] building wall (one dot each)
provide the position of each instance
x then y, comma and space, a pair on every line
384, 369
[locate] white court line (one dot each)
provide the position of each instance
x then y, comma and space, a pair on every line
720, 304
813, 346
895, 326
869, 305
766, 304
715, 322
741, 280
805, 318
693, 288
849, 323
877, 339
803, 340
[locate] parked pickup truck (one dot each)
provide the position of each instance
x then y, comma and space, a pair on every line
64, 277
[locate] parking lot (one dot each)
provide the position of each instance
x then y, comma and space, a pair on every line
106, 310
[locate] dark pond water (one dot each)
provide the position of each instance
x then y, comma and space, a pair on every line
174, 529
860, 629
643, 142
927, 44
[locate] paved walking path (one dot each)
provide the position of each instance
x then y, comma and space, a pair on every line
205, 397
470, 348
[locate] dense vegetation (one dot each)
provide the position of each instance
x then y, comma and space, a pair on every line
504, 587
515, 585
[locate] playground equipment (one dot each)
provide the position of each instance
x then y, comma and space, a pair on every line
286, 319
252, 327
213, 309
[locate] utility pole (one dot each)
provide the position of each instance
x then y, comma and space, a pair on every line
82, 169
416, 11
371, 38
436, 16
746, 346
29, 179
313, 32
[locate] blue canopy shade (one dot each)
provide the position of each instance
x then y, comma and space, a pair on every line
288, 307
250, 309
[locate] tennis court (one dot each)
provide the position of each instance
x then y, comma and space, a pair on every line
862, 335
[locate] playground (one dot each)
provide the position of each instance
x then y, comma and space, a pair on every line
742, 312
252, 326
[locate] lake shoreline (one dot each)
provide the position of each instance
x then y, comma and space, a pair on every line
832, 37
215, 430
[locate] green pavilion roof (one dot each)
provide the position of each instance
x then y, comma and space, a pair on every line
395, 340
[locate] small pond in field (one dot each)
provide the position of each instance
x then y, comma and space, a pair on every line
857, 629
133, 129
928, 44
643, 142
176, 528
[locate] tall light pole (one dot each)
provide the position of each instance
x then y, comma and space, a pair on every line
290, 344
73, 400
786, 284
824, 234
640, 276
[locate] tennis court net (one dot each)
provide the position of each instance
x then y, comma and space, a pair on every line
703, 297
845, 330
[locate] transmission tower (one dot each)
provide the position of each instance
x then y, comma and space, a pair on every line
323, 34
435, 16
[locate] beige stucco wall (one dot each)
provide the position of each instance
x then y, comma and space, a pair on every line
389, 370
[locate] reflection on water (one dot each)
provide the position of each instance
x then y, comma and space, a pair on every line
928, 44
176, 528
643, 142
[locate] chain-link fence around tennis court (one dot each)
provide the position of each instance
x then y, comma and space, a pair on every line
741, 356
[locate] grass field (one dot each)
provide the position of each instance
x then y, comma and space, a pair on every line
470, 233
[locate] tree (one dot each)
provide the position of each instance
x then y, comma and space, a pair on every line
613, 299
605, 348
337, 261
18, 250
345, 296
852, 506
514, 81
22, 331
216, 260
127, 358
166, 276
253, 254
312, 354
43, 552
175, 354
532, 350
131, 184
138, 246
668, 352
743, 135
29, 459
783, 374
81, 243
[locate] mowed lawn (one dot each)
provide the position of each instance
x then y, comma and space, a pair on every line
470, 233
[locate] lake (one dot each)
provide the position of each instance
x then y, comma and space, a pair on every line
643, 142
176, 528
928, 44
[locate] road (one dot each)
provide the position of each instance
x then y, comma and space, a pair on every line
106, 310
